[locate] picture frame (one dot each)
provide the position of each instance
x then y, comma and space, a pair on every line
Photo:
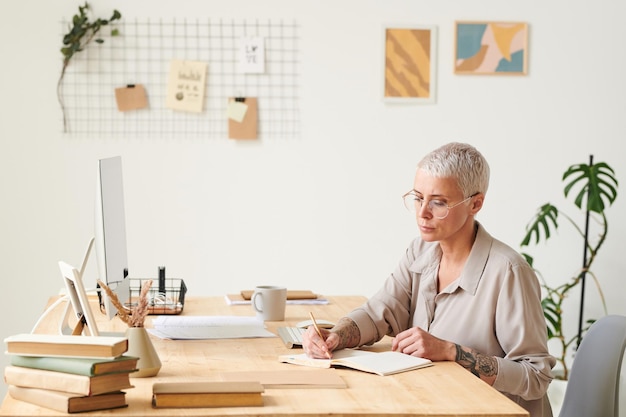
78, 302
491, 48
409, 63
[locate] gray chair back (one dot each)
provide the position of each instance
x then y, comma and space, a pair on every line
593, 386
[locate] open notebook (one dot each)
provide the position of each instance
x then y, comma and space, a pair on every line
379, 363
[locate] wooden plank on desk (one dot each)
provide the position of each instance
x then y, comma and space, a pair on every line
291, 295
314, 378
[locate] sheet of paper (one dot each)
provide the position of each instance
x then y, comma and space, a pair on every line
252, 55
237, 110
208, 327
131, 97
186, 85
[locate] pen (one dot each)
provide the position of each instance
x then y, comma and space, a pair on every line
317, 329
161, 280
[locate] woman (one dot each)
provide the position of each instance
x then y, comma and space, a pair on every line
457, 294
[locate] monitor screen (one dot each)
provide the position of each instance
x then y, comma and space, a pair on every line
110, 232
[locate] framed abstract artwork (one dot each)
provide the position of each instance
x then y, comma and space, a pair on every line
491, 48
409, 64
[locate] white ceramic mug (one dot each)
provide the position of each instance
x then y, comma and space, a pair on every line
269, 302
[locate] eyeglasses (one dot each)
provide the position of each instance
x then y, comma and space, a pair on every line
438, 208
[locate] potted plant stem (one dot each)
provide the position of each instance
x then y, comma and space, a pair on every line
597, 189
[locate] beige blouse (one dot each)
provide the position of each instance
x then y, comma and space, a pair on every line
494, 307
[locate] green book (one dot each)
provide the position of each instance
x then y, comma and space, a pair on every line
78, 366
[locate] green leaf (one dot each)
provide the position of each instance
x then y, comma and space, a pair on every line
597, 184
83, 9
551, 312
543, 219
79, 34
82, 31
67, 52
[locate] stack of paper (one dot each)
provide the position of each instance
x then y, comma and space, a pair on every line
208, 327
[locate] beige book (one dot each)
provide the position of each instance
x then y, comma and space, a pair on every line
64, 345
61, 381
66, 402
206, 394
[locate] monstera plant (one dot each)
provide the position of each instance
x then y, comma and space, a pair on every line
594, 188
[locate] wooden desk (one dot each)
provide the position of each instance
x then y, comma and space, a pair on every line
444, 389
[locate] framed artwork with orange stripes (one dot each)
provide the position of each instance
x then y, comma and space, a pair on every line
491, 48
410, 64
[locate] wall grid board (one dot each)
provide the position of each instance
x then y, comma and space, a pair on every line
141, 54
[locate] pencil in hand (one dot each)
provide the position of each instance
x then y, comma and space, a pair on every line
317, 328
318, 331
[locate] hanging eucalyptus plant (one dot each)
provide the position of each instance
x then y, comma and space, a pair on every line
597, 189
81, 33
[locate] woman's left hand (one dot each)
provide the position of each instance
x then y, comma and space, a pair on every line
418, 342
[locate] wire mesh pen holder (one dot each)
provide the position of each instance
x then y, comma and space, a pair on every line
165, 298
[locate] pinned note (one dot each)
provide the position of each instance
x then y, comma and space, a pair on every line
246, 109
252, 55
186, 85
237, 110
131, 97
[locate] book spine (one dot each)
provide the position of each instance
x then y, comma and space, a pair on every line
48, 380
182, 400
72, 366
66, 346
48, 399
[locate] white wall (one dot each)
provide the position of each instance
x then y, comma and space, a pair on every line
322, 211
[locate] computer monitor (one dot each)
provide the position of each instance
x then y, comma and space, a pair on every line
110, 233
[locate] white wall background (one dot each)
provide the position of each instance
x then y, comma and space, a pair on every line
323, 211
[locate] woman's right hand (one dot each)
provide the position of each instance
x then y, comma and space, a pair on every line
317, 347
345, 334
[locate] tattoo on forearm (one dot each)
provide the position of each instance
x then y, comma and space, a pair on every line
348, 332
476, 363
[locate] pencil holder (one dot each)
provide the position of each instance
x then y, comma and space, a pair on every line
167, 299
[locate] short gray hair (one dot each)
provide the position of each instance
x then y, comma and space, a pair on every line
461, 161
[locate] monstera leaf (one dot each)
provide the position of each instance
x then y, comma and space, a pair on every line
597, 182
544, 219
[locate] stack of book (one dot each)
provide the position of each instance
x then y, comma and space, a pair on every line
70, 374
